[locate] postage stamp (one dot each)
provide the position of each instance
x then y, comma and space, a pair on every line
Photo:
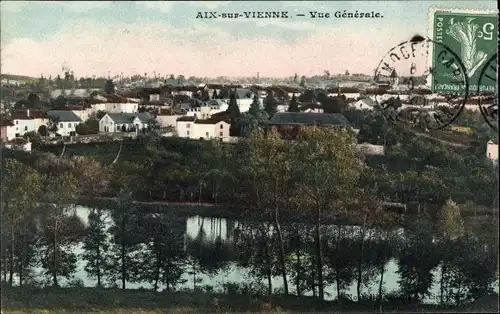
410, 59
472, 35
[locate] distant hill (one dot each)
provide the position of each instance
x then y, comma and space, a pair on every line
17, 77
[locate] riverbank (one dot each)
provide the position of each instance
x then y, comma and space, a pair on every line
480, 217
80, 300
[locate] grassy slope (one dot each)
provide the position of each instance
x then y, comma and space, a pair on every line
79, 300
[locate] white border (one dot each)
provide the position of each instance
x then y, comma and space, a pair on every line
430, 28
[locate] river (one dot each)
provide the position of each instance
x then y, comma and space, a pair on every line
219, 230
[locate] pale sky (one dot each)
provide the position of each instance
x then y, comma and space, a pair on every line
93, 38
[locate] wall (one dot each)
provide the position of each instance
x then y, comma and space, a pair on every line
492, 151
64, 128
183, 129
24, 126
165, 121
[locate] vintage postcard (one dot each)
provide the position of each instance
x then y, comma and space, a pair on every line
249, 156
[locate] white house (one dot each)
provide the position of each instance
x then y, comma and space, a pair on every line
66, 121
124, 122
23, 122
363, 104
167, 118
492, 151
213, 128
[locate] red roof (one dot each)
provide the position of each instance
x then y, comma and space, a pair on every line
6, 123
186, 119
23, 114
212, 120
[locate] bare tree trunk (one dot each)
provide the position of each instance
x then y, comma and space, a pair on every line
12, 249
54, 256
319, 257
380, 286
281, 251
269, 264
297, 266
361, 258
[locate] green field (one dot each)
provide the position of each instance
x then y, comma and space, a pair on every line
80, 300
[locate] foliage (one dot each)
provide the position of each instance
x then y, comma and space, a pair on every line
270, 104
90, 126
293, 107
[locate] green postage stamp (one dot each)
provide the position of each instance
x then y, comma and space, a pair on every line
473, 36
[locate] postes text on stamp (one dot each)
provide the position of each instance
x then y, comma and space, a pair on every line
414, 105
472, 35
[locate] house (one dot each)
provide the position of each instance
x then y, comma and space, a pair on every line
7, 130
66, 121
114, 104
492, 151
212, 128
19, 143
83, 111
363, 104
167, 118
124, 122
290, 123
24, 122
184, 126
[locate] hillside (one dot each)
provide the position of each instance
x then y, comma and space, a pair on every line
17, 77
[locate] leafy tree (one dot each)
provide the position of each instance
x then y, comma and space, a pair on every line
34, 100
293, 107
100, 114
450, 223
109, 87
205, 96
234, 113
59, 228
21, 187
269, 169
95, 246
302, 81
126, 237
327, 174
270, 104
53, 124
43, 131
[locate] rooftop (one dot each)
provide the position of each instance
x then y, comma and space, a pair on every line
64, 115
308, 118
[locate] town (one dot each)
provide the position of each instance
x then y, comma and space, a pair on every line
307, 161
200, 111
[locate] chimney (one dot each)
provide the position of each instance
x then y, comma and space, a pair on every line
28, 112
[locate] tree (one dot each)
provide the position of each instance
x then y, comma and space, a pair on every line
21, 187
327, 173
270, 104
53, 124
269, 171
214, 95
293, 107
181, 79
100, 114
450, 223
295, 78
109, 87
34, 100
43, 131
205, 96
303, 81
59, 228
233, 111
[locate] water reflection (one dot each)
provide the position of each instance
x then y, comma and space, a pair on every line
174, 252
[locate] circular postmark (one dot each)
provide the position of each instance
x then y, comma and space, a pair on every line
416, 94
487, 92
